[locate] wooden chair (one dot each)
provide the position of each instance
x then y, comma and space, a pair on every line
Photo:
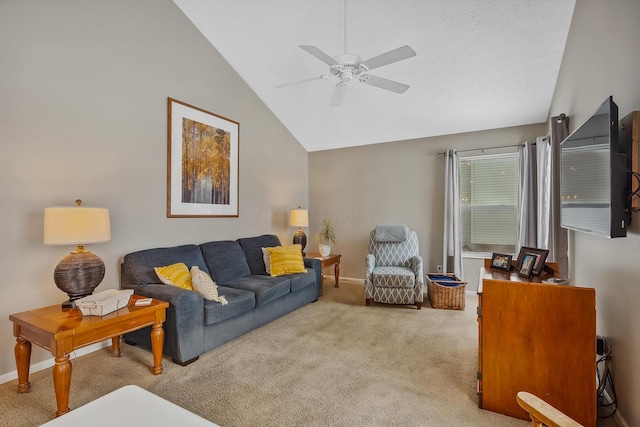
543, 414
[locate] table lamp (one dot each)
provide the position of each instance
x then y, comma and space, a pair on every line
81, 271
299, 218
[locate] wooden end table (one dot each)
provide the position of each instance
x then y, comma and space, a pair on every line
62, 331
329, 260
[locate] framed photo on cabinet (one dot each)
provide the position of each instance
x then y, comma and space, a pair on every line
526, 268
501, 261
540, 258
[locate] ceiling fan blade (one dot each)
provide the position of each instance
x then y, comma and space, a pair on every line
384, 83
319, 54
338, 94
323, 77
390, 57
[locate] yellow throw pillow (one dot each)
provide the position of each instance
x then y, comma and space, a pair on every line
204, 285
286, 260
175, 275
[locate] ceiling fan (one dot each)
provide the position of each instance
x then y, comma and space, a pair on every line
347, 66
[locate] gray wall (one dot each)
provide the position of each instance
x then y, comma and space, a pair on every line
393, 183
83, 114
602, 58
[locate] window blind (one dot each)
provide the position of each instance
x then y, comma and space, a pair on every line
488, 196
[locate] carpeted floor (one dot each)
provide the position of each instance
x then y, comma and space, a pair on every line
331, 363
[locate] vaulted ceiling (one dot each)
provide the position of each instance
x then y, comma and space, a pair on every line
479, 64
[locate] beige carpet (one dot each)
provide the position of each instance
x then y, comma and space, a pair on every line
331, 363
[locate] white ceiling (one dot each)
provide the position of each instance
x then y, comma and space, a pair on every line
480, 64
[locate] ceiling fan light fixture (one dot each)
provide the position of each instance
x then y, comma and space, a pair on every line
346, 66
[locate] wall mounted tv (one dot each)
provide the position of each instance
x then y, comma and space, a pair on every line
594, 177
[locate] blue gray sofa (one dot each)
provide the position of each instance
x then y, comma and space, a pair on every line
195, 325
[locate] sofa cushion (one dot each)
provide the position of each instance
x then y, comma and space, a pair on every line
225, 259
286, 260
302, 280
267, 260
177, 275
204, 285
252, 247
239, 301
266, 288
141, 264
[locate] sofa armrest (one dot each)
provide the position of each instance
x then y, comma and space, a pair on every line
171, 294
316, 265
184, 326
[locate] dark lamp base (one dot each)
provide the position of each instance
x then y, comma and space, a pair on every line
68, 304
300, 239
78, 274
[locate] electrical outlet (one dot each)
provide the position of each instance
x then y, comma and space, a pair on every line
438, 268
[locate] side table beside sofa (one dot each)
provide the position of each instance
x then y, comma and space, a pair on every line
64, 330
328, 261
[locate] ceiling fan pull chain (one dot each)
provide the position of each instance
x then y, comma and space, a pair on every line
345, 26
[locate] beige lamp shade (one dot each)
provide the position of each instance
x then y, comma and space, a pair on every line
299, 218
76, 225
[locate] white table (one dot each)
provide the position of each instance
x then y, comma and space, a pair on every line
129, 406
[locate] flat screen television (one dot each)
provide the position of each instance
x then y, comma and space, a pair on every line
594, 177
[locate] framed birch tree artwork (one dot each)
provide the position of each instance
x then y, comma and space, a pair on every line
202, 163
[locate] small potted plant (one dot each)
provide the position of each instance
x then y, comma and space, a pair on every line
325, 238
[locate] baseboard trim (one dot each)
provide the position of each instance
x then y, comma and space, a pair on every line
45, 364
345, 279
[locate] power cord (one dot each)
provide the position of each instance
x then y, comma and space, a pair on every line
635, 193
605, 392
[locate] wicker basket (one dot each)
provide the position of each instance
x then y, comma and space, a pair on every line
445, 290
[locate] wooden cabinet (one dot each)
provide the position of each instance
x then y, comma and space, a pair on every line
536, 337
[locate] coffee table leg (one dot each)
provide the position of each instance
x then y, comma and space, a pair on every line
157, 342
115, 346
62, 383
337, 274
22, 353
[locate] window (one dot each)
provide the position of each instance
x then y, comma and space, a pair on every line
488, 200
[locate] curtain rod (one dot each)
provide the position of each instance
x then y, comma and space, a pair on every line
442, 153
559, 119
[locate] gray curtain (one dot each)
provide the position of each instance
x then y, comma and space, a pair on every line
544, 179
534, 194
452, 248
539, 195
558, 237
527, 197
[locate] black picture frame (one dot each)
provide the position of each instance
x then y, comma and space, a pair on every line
526, 266
501, 261
541, 257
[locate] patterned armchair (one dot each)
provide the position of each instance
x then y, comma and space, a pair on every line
393, 267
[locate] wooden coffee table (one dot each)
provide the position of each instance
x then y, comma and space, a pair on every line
329, 260
63, 331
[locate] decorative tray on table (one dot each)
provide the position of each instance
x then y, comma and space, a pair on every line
104, 302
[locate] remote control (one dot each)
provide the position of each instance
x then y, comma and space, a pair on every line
144, 301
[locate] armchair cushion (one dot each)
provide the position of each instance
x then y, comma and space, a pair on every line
391, 233
394, 277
